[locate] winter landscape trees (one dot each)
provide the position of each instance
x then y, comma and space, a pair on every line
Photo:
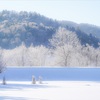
65, 50
30, 39
2, 64
65, 44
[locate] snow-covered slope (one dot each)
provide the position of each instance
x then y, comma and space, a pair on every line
84, 84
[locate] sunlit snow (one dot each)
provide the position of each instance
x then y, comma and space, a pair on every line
50, 89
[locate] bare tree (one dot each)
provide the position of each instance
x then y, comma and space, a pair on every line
63, 37
2, 64
64, 42
38, 55
22, 56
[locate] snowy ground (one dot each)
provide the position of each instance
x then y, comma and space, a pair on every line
50, 90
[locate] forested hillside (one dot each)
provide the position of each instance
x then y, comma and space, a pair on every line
33, 28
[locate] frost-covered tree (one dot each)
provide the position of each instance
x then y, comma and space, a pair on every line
27, 56
63, 36
97, 57
38, 55
63, 55
64, 43
2, 64
18, 56
23, 55
88, 52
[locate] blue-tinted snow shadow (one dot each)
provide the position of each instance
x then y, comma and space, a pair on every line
52, 74
18, 98
23, 86
12, 98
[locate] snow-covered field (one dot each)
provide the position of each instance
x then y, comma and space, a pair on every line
58, 84
50, 90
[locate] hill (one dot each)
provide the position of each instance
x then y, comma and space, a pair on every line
36, 29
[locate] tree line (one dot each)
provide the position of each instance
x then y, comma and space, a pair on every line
65, 50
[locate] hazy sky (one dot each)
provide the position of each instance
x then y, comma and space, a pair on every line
80, 11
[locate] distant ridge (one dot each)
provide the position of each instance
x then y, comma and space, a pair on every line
36, 29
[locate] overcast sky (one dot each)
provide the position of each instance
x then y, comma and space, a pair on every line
80, 11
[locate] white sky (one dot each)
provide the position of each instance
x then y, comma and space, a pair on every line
80, 11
